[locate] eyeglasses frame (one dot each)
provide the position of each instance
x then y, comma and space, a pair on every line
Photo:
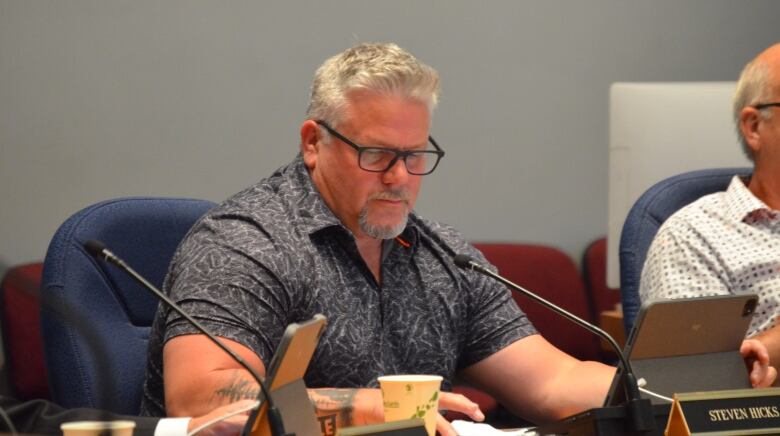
761, 106
399, 154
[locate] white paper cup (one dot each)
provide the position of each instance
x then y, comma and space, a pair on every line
97, 428
411, 396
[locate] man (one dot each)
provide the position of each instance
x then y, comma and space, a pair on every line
729, 242
43, 417
334, 233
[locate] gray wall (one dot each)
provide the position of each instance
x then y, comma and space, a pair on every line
197, 98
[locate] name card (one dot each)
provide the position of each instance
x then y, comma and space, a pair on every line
732, 412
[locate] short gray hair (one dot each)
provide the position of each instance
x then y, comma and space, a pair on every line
378, 67
753, 87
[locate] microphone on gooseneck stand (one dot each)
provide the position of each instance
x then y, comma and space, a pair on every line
99, 250
639, 408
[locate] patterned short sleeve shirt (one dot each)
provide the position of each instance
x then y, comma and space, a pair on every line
274, 254
723, 243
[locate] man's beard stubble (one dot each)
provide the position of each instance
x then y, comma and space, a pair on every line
384, 232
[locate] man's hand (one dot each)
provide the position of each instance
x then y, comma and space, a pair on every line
757, 360
456, 403
229, 427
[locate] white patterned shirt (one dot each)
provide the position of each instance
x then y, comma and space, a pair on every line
723, 243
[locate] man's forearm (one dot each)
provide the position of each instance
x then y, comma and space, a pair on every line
339, 408
335, 408
332, 405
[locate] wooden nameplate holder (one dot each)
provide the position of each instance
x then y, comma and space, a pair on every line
731, 412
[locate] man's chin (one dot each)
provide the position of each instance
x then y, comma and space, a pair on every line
383, 229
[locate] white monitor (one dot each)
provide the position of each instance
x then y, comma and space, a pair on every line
657, 130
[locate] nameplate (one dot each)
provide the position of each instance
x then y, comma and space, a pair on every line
732, 412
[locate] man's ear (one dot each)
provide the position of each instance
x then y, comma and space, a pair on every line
749, 122
310, 142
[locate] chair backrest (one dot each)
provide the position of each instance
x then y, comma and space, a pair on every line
95, 319
648, 213
552, 274
22, 343
594, 275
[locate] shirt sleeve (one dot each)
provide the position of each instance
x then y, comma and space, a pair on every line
225, 275
494, 321
172, 427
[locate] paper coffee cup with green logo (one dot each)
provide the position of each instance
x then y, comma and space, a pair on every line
411, 396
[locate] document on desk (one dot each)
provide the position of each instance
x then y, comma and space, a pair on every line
468, 428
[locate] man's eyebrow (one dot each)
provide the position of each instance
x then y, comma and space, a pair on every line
384, 144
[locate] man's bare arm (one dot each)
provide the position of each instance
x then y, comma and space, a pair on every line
545, 384
241, 386
199, 376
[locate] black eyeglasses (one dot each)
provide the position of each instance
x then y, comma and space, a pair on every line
766, 105
380, 159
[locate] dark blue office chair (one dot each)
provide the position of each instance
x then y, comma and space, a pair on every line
646, 216
95, 319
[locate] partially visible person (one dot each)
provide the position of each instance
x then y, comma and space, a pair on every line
44, 417
335, 232
729, 242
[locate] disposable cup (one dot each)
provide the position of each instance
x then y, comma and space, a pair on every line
411, 396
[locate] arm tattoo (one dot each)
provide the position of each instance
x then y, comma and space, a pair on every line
238, 388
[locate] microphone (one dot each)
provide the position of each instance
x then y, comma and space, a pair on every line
639, 408
99, 250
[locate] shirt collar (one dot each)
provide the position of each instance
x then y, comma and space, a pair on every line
745, 207
313, 214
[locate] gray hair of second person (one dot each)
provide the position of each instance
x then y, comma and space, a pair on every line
753, 87
378, 67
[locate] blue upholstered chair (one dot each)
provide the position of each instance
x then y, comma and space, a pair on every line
96, 320
646, 216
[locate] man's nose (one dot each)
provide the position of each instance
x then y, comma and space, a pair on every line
396, 173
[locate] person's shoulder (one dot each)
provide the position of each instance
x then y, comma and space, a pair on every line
269, 205
250, 205
252, 221
441, 234
697, 212
438, 227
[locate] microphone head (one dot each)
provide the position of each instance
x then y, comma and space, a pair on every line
463, 261
94, 247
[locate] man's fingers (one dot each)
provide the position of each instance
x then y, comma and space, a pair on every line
459, 403
443, 427
753, 348
762, 375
